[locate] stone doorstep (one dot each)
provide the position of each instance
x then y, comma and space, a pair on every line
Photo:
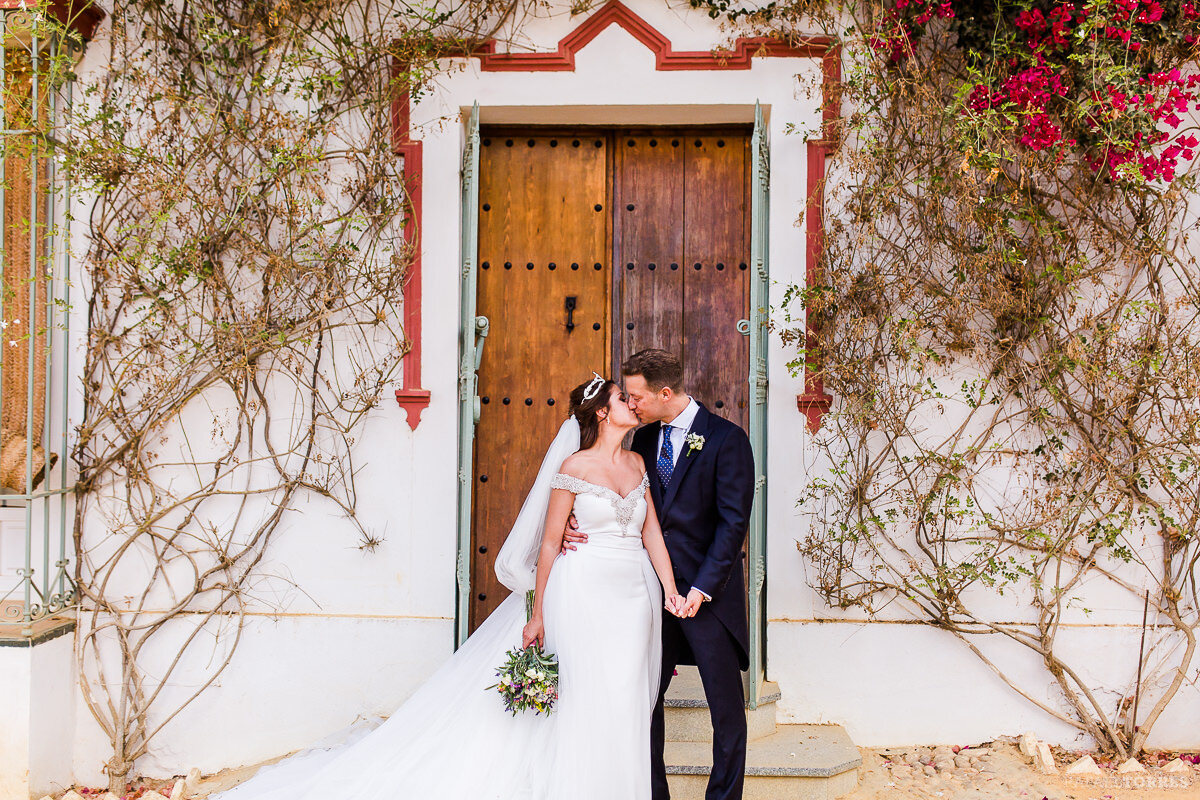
687, 715
686, 691
693, 787
694, 724
817, 762
805, 751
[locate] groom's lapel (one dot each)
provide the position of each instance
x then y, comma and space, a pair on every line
646, 449
700, 426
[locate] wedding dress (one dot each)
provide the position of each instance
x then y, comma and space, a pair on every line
453, 740
602, 614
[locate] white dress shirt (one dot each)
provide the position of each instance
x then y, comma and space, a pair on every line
678, 428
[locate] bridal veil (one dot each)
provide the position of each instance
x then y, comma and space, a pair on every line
452, 739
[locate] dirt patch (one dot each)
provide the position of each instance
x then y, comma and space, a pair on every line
998, 770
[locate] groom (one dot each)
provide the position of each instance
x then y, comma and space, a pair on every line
702, 481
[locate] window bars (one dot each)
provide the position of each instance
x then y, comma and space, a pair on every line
35, 489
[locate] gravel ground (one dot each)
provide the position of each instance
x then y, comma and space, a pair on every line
999, 770
992, 771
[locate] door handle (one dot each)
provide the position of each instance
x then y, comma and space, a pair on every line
482, 325
570, 304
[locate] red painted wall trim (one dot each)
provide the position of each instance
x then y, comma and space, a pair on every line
814, 402
665, 58
411, 397
81, 16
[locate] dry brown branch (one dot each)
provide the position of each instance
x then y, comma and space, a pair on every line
1011, 342
245, 278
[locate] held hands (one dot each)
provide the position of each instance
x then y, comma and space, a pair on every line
675, 603
534, 632
684, 607
690, 605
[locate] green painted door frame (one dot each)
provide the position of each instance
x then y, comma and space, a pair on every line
758, 332
473, 329
472, 332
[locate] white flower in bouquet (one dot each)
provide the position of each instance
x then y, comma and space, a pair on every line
528, 678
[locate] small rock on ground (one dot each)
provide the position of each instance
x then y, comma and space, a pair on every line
1084, 766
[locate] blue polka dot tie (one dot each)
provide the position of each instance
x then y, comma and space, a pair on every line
666, 458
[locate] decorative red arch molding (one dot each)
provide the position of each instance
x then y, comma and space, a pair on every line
814, 401
665, 58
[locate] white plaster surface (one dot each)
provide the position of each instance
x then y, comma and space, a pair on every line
293, 680
341, 632
15, 698
36, 718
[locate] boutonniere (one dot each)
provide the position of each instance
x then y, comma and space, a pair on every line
694, 442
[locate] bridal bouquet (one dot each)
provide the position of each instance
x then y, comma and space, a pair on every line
528, 677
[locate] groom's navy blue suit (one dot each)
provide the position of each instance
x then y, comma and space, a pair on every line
704, 512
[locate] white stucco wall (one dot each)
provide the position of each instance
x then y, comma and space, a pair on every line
368, 627
880, 678
15, 699
334, 632
37, 717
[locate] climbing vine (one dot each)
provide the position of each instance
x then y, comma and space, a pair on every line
1005, 315
243, 278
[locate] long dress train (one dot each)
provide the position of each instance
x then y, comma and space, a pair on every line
452, 739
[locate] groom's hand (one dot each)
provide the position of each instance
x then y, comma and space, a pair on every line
692, 604
571, 534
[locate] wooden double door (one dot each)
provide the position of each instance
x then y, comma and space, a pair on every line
594, 244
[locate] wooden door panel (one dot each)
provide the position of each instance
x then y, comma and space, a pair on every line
648, 205
716, 287
690, 207
635, 204
543, 237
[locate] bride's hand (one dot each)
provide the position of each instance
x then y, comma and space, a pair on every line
675, 603
534, 632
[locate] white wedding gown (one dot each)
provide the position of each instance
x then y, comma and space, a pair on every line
453, 740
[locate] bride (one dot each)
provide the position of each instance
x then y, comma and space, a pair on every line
597, 608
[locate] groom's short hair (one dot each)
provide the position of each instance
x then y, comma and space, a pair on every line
657, 367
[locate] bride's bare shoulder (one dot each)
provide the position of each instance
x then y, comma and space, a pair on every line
574, 465
634, 460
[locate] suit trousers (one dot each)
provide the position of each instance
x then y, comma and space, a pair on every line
704, 641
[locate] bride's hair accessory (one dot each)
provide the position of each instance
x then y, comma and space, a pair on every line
593, 388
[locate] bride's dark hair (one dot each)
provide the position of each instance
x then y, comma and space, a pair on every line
585, 410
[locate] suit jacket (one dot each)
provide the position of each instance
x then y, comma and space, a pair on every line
704, 513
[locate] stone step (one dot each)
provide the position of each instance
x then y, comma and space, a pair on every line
687, 717
797, 762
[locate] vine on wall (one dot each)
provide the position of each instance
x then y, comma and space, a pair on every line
1006, 316
243, 290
